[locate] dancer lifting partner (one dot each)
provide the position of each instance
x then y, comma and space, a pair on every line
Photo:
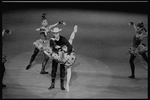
43, 43
62, 53
138, 47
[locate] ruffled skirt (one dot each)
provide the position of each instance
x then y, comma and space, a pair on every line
142, 48
61, 56
41, 44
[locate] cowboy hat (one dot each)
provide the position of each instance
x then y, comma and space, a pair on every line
56, 30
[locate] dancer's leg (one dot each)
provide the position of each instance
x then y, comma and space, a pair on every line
3, 71
145, 57
36, 51
53, 74
132, 57
46, 58
68, 78
72, 36
62, 76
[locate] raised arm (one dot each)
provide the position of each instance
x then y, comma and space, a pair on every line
132, 24
53, 25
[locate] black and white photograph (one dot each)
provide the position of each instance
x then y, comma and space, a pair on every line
74, 49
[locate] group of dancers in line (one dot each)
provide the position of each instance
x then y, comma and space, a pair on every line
61, 51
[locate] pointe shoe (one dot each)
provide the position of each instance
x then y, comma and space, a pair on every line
75, 28
43, 72
132, 77
28, 67
67, 87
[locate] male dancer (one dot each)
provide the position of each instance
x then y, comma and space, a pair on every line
61, 55
56, 44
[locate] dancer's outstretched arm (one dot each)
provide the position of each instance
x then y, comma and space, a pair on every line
133, 24
53, 25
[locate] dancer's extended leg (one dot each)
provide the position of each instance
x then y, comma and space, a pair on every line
145, 58
72, 36
46, 58
36, 51
132, 57
68, 78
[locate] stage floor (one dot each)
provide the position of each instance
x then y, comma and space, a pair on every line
101, 45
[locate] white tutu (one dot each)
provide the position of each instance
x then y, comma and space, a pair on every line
41, 44
61, 56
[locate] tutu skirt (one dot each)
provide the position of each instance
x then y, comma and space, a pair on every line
142, 48
41, 44
61, 56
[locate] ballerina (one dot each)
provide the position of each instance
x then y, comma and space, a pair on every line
43, 42
138, 47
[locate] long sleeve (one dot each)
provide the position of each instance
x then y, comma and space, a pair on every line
52, 45
69, 46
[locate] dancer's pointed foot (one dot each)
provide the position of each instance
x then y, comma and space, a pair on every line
43, 72
28, 66
132, 77
67, 87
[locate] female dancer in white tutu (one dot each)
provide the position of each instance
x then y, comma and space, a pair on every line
63, 54
43, 42
138, 47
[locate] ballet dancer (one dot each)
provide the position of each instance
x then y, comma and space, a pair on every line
62, 52
137, 47
43, 42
